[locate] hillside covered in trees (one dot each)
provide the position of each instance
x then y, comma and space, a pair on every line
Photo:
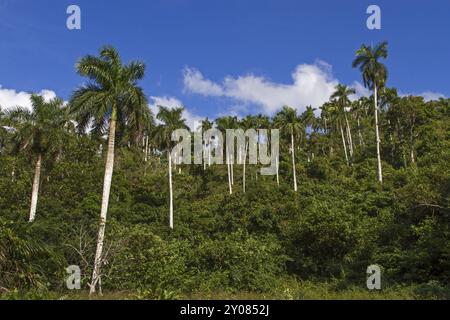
361, 181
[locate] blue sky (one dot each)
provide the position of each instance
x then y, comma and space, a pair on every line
225, 57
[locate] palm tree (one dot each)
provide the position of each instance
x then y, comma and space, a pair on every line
40, 132
335, 114
308, 119
172, 120
112, 99
289, 123
341, 95
374, 75
206, 125
358, 109
224, 124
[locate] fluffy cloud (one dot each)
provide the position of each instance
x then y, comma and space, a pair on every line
11, 98
312, 85
361, 91
428, 95
193, 121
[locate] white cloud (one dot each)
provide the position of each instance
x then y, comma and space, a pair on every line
193, 121
11, 98
361, 91
195, 82
428, 95
312, 84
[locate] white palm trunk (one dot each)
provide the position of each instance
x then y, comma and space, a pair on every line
349, 135
293, 162
35, 190
278, 171
361, 140
343, 142
232, 169
411, 142
205, 149
170, 192
146, 148
377, 131
229, 172
105, 202
244, 169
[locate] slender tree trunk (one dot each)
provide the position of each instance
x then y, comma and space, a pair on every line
170, 192
35, 190
229, 171
377, 131
243, 171
146, 148
278, 170
209, 154
105, 201
343, 142
361, 141
411, 142
205, 149
232, 169
349, 135
293, 161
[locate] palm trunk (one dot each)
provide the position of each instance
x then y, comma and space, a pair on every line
105, 201
377, 131
35, 192
146, 148
243, 171
411, 142
205, 149
232, 169
343, 142
293, 161
349, 135
361, 141
170, 192
229, 171
278, 174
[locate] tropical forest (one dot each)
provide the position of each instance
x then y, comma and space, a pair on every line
91, 186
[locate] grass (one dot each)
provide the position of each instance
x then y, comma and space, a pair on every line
287, 290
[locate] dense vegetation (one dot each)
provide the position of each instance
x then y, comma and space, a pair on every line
269, 240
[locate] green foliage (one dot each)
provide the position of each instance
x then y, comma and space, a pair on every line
267, 242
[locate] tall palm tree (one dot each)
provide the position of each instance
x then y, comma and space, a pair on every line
223, 124
289, 123
172, 119
358, 110
341, 95
374, 75
309, 120
112, 99
40, 132
206, 125
334, 112
245, 124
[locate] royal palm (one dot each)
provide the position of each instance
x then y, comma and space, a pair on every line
374, 75
110, 100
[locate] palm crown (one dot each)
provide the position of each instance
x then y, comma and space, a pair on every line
112, 93
374, 73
